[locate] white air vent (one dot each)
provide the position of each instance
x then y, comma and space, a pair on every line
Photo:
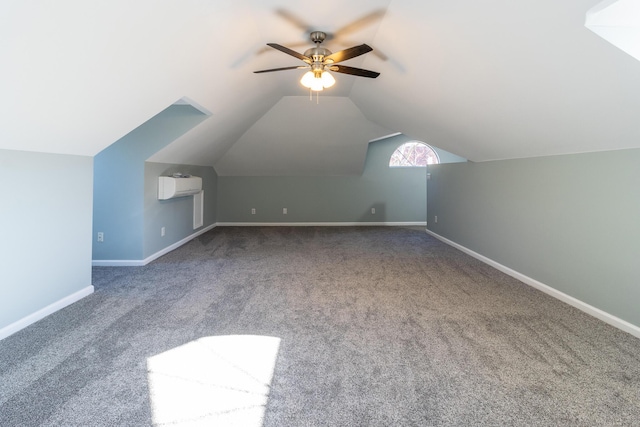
170, 187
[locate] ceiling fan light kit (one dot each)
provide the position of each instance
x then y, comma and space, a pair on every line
317, 81
320, 61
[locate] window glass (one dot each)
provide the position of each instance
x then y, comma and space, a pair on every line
413, 154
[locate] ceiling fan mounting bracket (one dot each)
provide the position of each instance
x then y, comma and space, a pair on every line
318, 36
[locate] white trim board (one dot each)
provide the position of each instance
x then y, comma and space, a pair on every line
580, 305
147, 260
322, 224
44, 312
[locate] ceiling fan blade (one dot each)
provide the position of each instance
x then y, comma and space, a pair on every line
281, 69
296, 44
290, 52
376, 52
295, 20
354, 71
359, 23
352, 52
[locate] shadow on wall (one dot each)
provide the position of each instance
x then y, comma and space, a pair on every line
375, 213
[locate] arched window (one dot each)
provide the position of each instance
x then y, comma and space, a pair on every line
413, 154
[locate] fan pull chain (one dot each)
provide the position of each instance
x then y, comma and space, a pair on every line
317, 96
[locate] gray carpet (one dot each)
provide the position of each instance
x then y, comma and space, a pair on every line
318, 326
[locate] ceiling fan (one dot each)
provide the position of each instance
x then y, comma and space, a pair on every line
320, 60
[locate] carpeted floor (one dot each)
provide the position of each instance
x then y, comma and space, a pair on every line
318, 326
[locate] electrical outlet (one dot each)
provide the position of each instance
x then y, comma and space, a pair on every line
436, 219
373, 210
100, 236
253, 211
162, 231
284, 211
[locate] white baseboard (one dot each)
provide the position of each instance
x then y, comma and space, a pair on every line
580, 305
142, 262
118, 262
322, 224
44, 312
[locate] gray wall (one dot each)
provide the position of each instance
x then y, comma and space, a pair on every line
571, 222
175, 215
119, 182
45, 230
398, 194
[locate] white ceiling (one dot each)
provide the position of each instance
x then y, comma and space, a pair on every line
486, 80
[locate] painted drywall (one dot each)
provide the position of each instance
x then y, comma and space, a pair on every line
277, 145
571, 222
119, 182
45, 229
397, 194
175, 215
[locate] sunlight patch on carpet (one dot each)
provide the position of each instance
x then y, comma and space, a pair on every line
221, 380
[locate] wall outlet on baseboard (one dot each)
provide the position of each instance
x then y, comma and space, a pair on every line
162, 231
435, 219
373, 210
100, 236
253, 211
284, 211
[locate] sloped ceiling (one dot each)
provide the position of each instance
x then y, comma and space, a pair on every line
482, 79
332, 134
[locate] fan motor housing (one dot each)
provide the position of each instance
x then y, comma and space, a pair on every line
317, 53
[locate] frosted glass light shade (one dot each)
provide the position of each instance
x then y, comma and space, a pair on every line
317, 86
318, 83
307, 79
327, 79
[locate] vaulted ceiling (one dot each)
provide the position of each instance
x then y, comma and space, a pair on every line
485, 80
